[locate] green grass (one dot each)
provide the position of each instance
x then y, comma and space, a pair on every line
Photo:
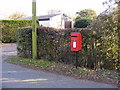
105, 76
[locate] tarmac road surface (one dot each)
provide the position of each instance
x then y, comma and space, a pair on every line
15, 76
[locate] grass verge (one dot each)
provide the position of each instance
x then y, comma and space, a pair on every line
106, 76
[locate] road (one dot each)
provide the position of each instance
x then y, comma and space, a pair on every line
15, 76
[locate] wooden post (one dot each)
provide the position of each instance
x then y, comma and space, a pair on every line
34, 36
76, 59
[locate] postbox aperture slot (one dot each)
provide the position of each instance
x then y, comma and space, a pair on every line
74, 36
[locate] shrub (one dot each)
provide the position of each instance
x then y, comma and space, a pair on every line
82, 23
54, 45
107, 38
24, 42
10, 27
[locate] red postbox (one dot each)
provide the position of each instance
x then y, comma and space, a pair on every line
76, 41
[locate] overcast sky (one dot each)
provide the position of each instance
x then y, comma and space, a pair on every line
8, 7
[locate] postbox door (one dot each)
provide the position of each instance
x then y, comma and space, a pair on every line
76, 41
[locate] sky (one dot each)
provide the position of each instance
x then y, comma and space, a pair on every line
8, 7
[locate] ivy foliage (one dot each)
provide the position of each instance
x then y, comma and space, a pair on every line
106, 29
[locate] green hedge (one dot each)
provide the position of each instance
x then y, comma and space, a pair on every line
54, 45
24, 42
10, 27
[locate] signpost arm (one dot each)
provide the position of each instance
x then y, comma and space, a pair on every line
34, 36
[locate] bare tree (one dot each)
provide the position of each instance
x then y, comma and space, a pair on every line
16, 15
